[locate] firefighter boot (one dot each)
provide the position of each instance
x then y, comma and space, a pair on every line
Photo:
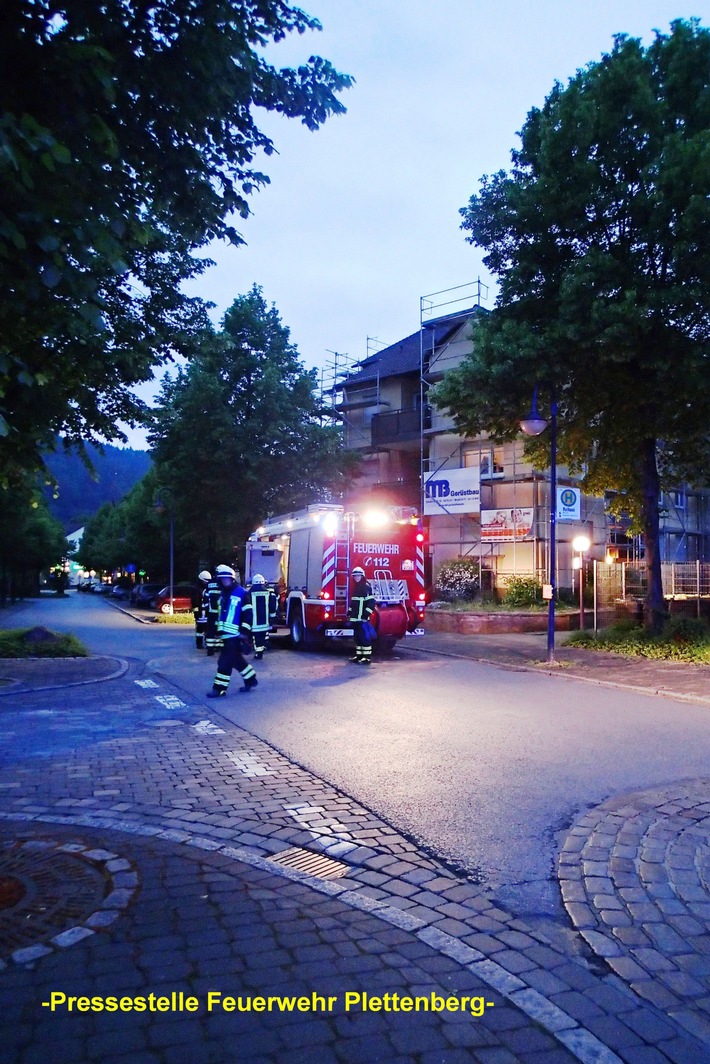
219, 685
249, 677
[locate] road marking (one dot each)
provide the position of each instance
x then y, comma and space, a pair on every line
208, 728
146, 683
250, 764
170, 701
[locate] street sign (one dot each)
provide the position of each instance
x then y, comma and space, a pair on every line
569, 504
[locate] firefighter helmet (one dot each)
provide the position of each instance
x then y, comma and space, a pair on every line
257, 578
225, 570
358, 571
204, 576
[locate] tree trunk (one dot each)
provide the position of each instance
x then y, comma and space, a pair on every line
651, 489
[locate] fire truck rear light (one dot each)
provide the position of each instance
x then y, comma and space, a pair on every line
422, 597
420, 537
326, 613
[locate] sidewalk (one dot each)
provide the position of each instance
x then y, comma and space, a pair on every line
161, 861
685, 681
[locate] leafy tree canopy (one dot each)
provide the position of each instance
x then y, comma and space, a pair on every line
30, 539
238, 433
600, 236
127, 142
134, 531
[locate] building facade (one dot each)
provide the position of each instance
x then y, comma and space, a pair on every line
482, 501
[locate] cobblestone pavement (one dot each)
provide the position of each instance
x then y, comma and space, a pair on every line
634, 875
183, 821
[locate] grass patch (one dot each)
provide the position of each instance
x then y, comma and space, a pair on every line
14, 644
682, 639
487, 606
174, 618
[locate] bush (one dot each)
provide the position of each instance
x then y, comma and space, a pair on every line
689, 631
186, 617
522, 591
14, 644
458, 579
682, 639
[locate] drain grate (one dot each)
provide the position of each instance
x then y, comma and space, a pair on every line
314, 864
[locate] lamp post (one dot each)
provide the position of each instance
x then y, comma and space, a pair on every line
161, 508
581, 545
532, 425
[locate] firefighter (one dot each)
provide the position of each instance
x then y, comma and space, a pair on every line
362, 605
258, 613
229, 627
200, 613
210, 605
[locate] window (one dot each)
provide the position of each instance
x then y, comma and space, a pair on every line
492, 463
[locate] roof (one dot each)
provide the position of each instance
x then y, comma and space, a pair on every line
405, 355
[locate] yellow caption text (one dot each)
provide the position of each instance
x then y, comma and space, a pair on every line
216, 1001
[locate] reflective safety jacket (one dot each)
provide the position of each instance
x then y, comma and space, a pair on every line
211, 597
362, 602
229, 623
259, 609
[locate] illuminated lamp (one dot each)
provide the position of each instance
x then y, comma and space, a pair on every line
330, 524
375, 518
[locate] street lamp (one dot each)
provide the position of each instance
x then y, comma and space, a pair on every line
160, 508
581, 545
533, 425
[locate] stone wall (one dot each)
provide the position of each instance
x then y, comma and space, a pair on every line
490, 623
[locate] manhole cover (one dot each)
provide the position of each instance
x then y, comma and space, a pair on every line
11, 891
46, 889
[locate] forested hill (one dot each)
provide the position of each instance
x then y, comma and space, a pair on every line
80, 496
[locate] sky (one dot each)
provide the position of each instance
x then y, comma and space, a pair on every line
361, 218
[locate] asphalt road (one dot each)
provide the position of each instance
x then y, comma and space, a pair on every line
484, 766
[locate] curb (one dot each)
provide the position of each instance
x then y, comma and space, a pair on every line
122, 669
544, 669
580, 1042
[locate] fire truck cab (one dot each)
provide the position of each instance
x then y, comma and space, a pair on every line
307, 557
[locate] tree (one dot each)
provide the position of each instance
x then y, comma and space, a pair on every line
600, 236
127, 142
133, 531
237, 433
30, 540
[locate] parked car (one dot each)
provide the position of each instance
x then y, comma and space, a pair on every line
144, 594
120, 591
101, 589
185, 596
86, 585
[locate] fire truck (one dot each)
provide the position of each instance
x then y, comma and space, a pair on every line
307, 556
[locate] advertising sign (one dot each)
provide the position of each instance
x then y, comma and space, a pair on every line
506, 526
453, 491
569, 504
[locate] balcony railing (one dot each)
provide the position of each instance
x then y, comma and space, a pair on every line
398, 426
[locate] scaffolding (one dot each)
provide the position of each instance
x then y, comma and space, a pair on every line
333, 375
450, 304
